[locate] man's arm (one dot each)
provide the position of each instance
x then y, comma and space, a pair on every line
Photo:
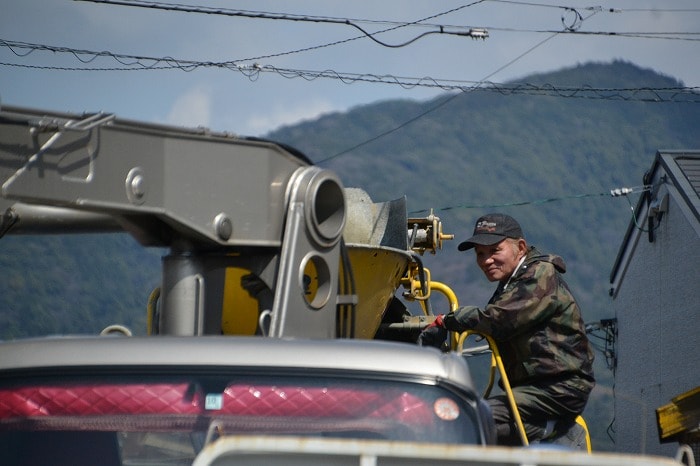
530, 300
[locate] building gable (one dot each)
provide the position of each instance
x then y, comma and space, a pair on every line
675, 173
656, 300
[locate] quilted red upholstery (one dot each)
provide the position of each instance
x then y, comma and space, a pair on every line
96, 399
237, 400
270, 400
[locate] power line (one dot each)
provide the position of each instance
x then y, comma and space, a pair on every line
579, 21
545, 5
612, 193
434, 108
275, 16
426, 112
146, 63
422, 23
682, 36
599, 8
386, 133
656, 10
131, 62
666, 35
574, 24
478, 33
252, 72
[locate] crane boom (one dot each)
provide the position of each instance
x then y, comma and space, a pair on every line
215, 200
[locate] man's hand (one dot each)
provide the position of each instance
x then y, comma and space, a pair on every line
434, 334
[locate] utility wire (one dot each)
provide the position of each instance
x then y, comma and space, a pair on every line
651, 10
480, 32
465, 31
612, 193
574, 24
544, 5
599, 8
252, 72
251, 14
435, 107
305, 18
571, 28
385, 133
476, 33
691, 36
422, 114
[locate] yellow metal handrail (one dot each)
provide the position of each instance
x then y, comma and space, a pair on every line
447, 291
151, 311
497, 362
582, 422
457, 344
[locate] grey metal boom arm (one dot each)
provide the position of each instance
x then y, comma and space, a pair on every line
214, 199
213, 188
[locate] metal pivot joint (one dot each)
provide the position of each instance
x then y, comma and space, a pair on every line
308, 271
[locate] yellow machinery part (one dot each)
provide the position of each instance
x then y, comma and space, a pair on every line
151, 311
680, 416
377, 272
239, 313
310, 281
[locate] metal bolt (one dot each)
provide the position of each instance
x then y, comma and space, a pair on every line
223, 226
136, 185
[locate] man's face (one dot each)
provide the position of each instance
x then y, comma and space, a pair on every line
498, 261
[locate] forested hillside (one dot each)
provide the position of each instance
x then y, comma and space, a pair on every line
74, 284
549, 160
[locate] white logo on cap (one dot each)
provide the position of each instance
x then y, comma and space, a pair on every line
486, 226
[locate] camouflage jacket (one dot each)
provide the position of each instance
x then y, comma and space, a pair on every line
536, 324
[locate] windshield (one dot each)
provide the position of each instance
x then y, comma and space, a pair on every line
110, 420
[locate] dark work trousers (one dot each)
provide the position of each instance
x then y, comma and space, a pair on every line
537, 405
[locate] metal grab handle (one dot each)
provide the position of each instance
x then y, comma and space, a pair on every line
497, 362
89, 122
86, 124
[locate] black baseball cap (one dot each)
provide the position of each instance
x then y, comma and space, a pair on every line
491, 229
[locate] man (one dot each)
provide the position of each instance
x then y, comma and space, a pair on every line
537, 325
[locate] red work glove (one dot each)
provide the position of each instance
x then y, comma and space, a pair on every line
434, 334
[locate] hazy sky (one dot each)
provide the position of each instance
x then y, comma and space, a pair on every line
523, 38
